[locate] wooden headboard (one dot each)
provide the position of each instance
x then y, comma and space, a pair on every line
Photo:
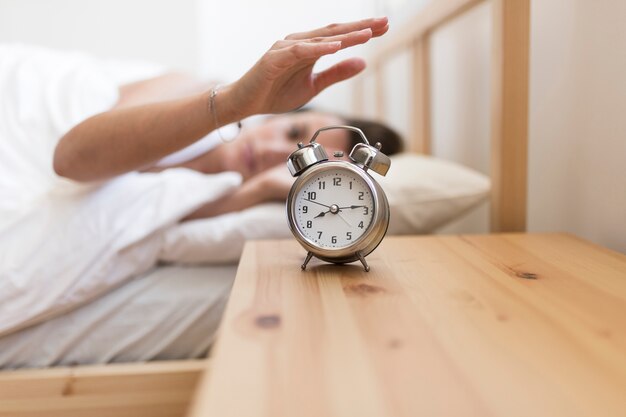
509, 100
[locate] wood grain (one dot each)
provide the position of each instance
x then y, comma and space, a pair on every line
515, 325
133, 390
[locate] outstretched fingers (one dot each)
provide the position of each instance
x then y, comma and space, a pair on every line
338, 72
378, 27
381, 31
283, 78
349, 39
303, 51
307, 49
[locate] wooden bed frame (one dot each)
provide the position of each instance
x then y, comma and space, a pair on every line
166, 388
509, 100
155, 389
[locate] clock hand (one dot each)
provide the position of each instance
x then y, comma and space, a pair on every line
341, 217
350, 207
317, 203
322, 214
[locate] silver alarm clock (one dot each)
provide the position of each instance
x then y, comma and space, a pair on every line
335, 209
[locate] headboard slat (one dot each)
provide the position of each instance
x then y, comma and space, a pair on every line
379, 93
509, 115
420, 97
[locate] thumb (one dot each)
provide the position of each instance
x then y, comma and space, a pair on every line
338, 72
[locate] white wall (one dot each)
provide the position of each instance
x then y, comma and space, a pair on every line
577, 119
158, 31
215, 39
234, 34
577, 126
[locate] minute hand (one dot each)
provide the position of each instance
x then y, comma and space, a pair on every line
317, 203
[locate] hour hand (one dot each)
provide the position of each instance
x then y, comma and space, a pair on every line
350, 207
322, 214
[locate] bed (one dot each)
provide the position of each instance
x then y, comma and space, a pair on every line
509, 78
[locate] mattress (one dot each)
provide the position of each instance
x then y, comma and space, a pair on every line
170, 312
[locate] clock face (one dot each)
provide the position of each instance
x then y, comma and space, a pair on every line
334, 208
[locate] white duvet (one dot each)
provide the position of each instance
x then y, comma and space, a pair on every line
63, 244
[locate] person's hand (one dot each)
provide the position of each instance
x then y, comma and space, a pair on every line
274, 184
283, 78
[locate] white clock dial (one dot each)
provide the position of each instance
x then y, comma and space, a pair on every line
334, 209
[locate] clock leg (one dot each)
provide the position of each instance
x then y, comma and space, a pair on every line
306, 261
362, 259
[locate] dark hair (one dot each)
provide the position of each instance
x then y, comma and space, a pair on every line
375, 131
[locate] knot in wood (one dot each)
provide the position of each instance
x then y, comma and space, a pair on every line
526, 275
268, 321
364, 289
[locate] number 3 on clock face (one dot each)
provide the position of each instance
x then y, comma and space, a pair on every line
334, 208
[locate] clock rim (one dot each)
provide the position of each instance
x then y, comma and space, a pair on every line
371, 237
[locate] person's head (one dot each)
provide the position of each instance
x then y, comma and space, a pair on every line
375, 131
260, 147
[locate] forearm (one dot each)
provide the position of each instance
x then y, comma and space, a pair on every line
134, 136
271, 185
170, 86
129, 138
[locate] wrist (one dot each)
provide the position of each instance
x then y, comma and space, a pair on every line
227, 105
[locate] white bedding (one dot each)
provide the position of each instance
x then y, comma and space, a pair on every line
76, 246
169, 312
63, 245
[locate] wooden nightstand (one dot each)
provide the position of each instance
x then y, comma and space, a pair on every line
512, 325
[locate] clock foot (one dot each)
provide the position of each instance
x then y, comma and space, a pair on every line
306, 261
362, 259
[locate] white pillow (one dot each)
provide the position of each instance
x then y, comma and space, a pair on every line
220, 239
424, 193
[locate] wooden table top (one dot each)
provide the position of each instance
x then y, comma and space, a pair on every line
511, 325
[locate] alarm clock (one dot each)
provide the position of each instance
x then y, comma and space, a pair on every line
335, 209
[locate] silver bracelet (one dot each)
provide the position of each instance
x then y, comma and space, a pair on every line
213, 111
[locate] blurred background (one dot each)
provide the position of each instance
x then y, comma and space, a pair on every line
577, 130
